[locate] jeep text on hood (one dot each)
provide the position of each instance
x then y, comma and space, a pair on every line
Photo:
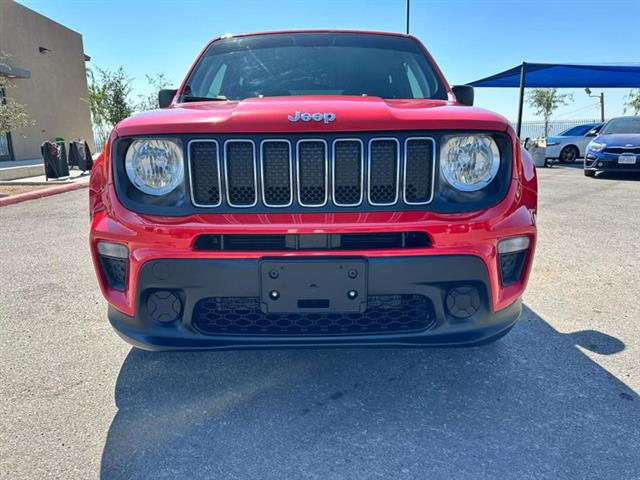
313, 188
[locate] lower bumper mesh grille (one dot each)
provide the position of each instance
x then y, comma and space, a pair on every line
242, 316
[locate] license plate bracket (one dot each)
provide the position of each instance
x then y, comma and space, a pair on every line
627, 159
313, 286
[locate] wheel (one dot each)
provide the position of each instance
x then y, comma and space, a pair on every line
589, 173
569, 154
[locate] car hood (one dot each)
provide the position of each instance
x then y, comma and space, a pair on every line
620, 139
270, 115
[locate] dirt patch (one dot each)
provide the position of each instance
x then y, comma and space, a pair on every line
8, 190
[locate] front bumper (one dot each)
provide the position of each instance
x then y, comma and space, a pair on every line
431, 277
553, 151
608, 162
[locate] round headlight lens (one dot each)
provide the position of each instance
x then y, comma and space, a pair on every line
469, 162
155, 165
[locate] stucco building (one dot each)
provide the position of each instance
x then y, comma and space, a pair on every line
47, 63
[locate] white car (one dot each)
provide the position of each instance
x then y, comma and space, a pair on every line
572, 143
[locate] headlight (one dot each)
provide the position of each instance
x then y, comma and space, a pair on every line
469, 162
595, 146
155, 165
553, 143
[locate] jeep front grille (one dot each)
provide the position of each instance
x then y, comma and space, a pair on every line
240, 173
276, 173
311, 173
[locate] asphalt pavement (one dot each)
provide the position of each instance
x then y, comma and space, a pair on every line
557, 398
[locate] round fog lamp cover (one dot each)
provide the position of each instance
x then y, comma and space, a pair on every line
462, 302
164, 306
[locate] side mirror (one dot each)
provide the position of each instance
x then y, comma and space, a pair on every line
592, 133
464, 94
165, 97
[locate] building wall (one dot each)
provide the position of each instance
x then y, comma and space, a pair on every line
56, 92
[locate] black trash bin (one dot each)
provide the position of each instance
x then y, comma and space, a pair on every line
55, 160
80, 155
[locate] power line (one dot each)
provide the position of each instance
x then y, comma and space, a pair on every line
593, 105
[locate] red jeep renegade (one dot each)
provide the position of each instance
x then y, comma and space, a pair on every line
313, 188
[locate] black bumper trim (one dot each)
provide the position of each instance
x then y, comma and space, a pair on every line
195, 279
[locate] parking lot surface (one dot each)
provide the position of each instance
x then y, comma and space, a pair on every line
556, 398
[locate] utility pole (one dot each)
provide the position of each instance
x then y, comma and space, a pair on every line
602, 107
601, 97
408, 8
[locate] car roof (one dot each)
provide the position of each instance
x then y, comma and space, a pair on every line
327, 30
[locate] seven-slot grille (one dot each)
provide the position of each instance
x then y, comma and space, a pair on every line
312, 172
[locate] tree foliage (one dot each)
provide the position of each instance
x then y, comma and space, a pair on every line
632, 101
545, 101
108, 99
12, 113
150, 101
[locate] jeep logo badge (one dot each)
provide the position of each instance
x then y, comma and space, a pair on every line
326, 117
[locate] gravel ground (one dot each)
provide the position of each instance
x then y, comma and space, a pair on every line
557, 398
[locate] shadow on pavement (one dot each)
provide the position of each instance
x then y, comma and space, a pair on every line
532, 405
633, 176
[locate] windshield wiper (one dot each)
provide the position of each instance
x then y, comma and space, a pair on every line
195, 98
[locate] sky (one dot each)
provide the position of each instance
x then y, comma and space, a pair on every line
469, 39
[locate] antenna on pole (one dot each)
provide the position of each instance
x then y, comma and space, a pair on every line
408, 8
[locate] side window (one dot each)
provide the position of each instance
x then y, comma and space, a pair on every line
572, 132
216, 83
416, 90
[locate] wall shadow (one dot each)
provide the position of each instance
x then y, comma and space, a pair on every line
532, 405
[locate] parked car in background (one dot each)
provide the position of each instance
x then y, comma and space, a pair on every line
616, 148
571, 144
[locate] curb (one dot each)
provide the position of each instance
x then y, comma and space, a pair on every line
44, 192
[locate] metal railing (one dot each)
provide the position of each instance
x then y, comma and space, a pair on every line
535, 128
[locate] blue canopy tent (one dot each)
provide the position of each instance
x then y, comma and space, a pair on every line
563, 75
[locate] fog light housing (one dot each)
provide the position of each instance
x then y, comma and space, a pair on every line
164, 306
512, 254
114, 262
464, 301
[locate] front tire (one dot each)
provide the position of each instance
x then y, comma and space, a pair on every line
569, 154
589, 173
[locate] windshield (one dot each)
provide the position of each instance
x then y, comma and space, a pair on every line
315, 64
621, 125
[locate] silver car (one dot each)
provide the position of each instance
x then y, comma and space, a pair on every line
572, 143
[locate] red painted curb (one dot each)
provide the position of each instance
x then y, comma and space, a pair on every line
43, 192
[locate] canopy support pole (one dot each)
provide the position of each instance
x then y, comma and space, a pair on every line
521, 103
408, 9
